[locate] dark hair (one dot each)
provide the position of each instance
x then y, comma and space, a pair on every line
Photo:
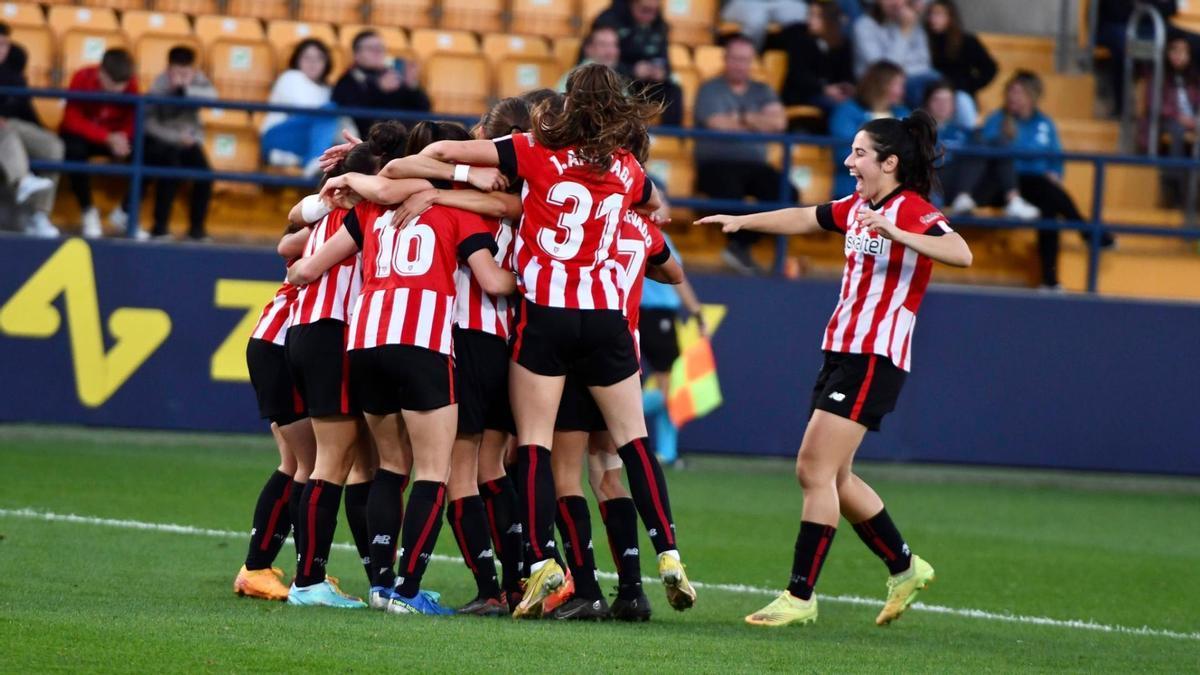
727, 40
933, 88
117, 64
294, 61
4, 29
831, 15
913, 140
873, 84
598, 119
509, 116
954, 30
1192, 70
360, 159
362, 35
426, 132
181, 55
536, 96
587, 40
387, 140
1032, 84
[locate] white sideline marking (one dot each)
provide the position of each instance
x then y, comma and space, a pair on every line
1077, 624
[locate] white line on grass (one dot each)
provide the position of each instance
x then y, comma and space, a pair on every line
1076, 624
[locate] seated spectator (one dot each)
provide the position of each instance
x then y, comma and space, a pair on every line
1178, 107
959, 56
892, 31
819, 61
643, 49
600, 46
736, 169
1111, 22
373, 82
291, 140
755, 15
23, 138
1021, 126
174, 138
967, 181
880, 93
93, 128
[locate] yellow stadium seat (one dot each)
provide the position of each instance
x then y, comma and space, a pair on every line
393, 38
49, 111
691, 21
425, 42
679, 56
284, 35
84, 47
709, 60
136, 23
677, 173
150, 54
552, 18
459, 84
58, 2
117, 4
232, 149
62, 18
39, 50
497, 46
259, 9
193, 7
22, 14
331, 11
589, 10
518, 74
242, 70
210, 28
224, 118
406, 13
566, 50
775, 63
480, 16
689, 82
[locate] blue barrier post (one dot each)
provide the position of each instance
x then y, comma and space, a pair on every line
1095, 227
134, 207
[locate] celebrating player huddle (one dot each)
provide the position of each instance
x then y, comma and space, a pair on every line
422, 336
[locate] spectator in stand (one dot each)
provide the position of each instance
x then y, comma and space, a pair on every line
373, 82
174, 138
819, 61
643, 35
892, 31
297, 140
880, 93
93, 128
23, 138
737, 169
959, 56
602, 45
755, 15
1111, 19
967, 181
1021, 126
1178, 107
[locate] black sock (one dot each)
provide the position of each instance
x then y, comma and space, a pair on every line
880, 535
575, 525
385, 512
535, 484
649, 488
318, 522
620, 520
468, 519
294, 510
500, 501
812, 547
356, 516
272, 522
422, 523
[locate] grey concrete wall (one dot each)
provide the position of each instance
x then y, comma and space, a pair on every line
1029, 17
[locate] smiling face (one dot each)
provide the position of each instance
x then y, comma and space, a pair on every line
872, 179
312, 63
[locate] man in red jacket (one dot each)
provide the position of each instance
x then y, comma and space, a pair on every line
91, 128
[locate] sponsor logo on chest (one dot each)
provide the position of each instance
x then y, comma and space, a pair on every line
866, 243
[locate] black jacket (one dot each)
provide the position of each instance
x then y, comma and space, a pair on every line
970, 70
810, 67
12, 74
638, 43
359, 88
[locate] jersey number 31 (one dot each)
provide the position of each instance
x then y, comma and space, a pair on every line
564, 240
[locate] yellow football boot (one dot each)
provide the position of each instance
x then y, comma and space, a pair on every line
541, 585
785, 609
259, 584
680, 593
903, 589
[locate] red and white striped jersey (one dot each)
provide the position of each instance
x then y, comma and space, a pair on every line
332, 296
884, 282
639, 243
275, 319
473, 308
408, 286
565, 247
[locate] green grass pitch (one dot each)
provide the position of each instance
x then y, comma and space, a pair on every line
1036, 572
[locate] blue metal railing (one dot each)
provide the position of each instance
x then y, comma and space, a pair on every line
136, 170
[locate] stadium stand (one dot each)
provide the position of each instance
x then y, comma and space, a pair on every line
18, 14
62, 18
136, 23
210, 28
519, 73
259, 9
408, 13
551, 18
480, 16
425, 43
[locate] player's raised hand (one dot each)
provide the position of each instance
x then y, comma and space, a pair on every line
875, 221
727, 223
330, 188
334, 154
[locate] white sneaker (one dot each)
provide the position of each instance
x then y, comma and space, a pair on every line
141, 235
277, 157
1021, 210
39, 225
118, 218
963, 203
32, 185
91, 224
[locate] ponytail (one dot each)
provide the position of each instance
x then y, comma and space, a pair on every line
913, 140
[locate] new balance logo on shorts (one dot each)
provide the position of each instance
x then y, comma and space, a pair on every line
837, 396
631, 553
382, 540
486, 554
